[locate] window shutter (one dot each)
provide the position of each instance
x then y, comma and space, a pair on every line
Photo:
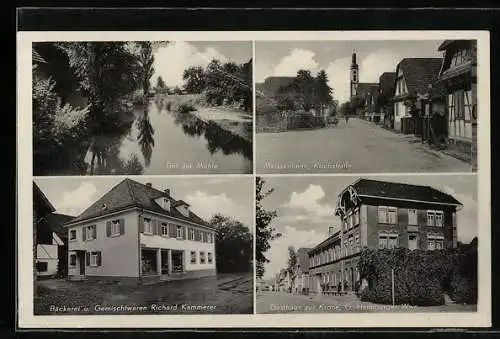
184, 233
141, 225
154, 223
94, 232
172, 232
87, 258
122, 226
108, 228
99, 258
84, 233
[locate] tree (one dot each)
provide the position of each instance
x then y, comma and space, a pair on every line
306, 84
161, 87
145, 60
323, 92
289, 97
245, 89
233, 245
292, 264
264, 232
194, 78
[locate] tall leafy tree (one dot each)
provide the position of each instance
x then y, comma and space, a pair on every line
323, 92
145, 60
264, 232
194, 79
306, 83
233, 244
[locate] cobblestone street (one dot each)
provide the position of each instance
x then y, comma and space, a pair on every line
355, 147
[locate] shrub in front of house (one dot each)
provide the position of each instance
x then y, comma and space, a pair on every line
421, 278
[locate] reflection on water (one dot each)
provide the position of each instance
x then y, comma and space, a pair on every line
169, 142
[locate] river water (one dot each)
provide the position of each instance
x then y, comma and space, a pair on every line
154, 140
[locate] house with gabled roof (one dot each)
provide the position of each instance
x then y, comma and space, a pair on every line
378, 214
413, 78
386, 85
138, 233
51, 243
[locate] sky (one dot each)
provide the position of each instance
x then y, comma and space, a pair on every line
172, 60
305, 207
285, 58
231, 196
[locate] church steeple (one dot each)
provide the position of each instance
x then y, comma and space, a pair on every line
354, 75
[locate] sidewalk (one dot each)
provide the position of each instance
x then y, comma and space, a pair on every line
412, 138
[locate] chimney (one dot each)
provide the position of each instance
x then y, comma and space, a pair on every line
167, 191
148, 184
331, 230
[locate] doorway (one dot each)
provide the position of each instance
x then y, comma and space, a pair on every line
177, 261
81, 262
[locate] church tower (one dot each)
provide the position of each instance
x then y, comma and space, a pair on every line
354, 75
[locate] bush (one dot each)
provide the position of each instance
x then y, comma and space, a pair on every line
420, 277
186, 108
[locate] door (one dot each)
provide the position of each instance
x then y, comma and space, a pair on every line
412, 241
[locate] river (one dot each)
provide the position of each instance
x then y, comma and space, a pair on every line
154, 140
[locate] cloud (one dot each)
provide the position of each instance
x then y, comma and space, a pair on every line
308, 202
206, 205
467, 217
297, 59
76, 201
278, 253
371, 66
171, 61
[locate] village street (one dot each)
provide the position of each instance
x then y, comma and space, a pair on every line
353, 147
281, 302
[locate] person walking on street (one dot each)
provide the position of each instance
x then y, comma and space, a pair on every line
346, 119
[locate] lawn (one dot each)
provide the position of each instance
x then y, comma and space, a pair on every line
223, 294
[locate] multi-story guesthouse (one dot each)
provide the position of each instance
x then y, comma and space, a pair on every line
458, 77
413, 78
137, 233
377, 214
301, 276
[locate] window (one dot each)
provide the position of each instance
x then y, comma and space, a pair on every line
72, 235
430, 218
435, 242
351, 244
90, 232
435, 218
388, 240
412, 217
204, 236
387, 215
190, 234
382, 215
115, 227
202, 257
358, 243
210, 259
179, 232
210, 238
350, 220
346, 249
438, 218
148, 226
393, 241
392, 215
72, 259
164, 229
94, 259
193, 257
468, 105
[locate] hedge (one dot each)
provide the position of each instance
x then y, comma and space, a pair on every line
421, 278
